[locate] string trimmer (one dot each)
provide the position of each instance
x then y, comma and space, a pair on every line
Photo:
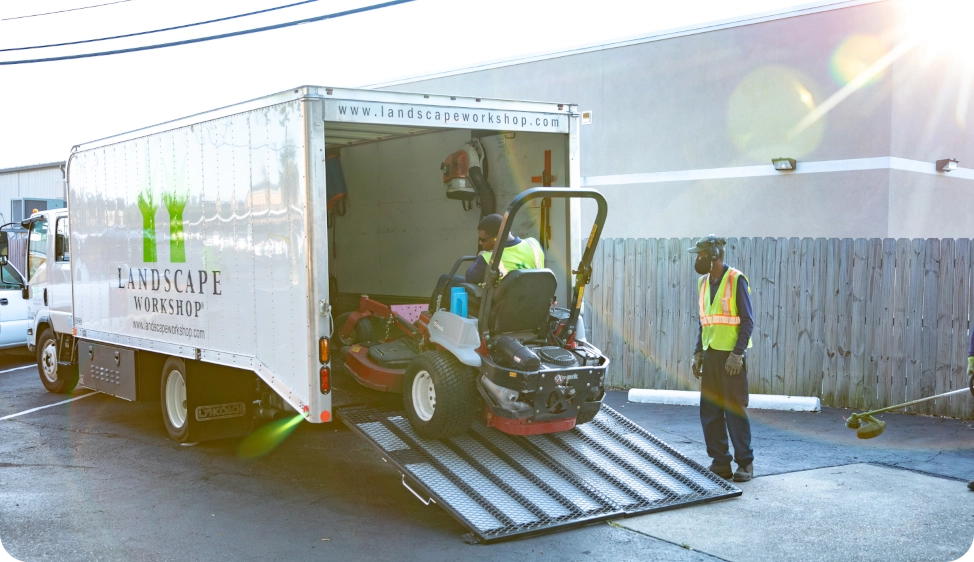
867, 426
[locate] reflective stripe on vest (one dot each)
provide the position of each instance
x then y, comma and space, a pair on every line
526, 254
719, 319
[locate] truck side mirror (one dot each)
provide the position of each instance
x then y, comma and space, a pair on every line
25, 293
3, 259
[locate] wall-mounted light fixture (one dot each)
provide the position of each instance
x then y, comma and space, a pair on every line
946, 165
784, 164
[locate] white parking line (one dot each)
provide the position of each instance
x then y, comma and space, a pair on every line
17, 368
49, 405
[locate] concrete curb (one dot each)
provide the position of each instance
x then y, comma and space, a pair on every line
758, 401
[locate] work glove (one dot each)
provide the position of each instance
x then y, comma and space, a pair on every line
697, 365
734, 364
970, 365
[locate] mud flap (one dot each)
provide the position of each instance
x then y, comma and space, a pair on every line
220, 401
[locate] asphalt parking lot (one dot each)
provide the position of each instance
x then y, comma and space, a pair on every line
98, 479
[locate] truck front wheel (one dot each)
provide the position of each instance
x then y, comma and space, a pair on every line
47, 365
439, 395
175, 413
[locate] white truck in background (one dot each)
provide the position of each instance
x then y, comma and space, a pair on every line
196, 265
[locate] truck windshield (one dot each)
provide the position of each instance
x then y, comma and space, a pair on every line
36, 247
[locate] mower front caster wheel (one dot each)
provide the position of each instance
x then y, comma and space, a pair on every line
360, 333
439, 395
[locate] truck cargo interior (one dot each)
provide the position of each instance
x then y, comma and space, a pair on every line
400, 231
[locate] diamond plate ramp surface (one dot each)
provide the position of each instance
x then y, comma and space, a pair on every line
501, 486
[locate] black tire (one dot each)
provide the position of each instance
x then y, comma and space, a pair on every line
175, 410
361, 333
585, 417
47, 361
455, 401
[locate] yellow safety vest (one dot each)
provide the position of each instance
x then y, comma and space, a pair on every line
720, 323
526, 254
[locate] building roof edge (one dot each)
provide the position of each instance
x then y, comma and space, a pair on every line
751, 19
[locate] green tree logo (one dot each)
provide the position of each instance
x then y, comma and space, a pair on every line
175, 204
148, 207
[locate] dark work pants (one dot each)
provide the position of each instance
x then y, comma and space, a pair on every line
723, 403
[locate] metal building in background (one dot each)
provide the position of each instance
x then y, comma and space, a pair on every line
22, 190
864, 96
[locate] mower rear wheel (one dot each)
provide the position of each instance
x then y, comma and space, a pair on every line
439, 395
360, 333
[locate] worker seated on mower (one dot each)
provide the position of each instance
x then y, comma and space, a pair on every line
518, 254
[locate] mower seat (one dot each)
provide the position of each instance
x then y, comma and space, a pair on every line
523, 300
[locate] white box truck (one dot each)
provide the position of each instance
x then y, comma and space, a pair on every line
200, 262
204, 247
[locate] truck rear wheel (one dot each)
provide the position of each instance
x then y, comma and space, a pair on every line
47, 365
439, 395
175, 412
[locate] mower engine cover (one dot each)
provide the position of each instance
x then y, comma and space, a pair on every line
567, 382
511, 353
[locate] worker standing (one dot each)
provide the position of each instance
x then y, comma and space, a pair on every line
726, 324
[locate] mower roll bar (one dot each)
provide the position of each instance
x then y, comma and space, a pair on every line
456, 266
584, 272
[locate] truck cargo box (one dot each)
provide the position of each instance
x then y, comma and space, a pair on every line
210, 239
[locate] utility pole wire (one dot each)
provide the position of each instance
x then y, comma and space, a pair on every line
213, 37
62, 11
157, 30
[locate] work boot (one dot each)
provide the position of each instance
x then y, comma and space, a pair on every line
970, 485
744, 473
722, 470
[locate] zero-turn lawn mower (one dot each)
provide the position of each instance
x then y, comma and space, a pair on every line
516, 359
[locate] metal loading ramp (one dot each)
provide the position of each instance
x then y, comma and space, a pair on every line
501, 486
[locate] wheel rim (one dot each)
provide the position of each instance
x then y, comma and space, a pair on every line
49, 361
424, 396
176, 398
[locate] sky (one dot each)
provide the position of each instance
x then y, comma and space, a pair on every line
48, 107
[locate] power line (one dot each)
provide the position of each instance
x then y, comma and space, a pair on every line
68, 10
158, 30
213, 37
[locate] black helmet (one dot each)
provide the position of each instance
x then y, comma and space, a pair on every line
710, 246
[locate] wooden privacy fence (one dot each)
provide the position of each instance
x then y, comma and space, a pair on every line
858, 323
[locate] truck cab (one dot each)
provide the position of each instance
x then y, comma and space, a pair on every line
48, 295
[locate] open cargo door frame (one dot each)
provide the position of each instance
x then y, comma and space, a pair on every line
501, 486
